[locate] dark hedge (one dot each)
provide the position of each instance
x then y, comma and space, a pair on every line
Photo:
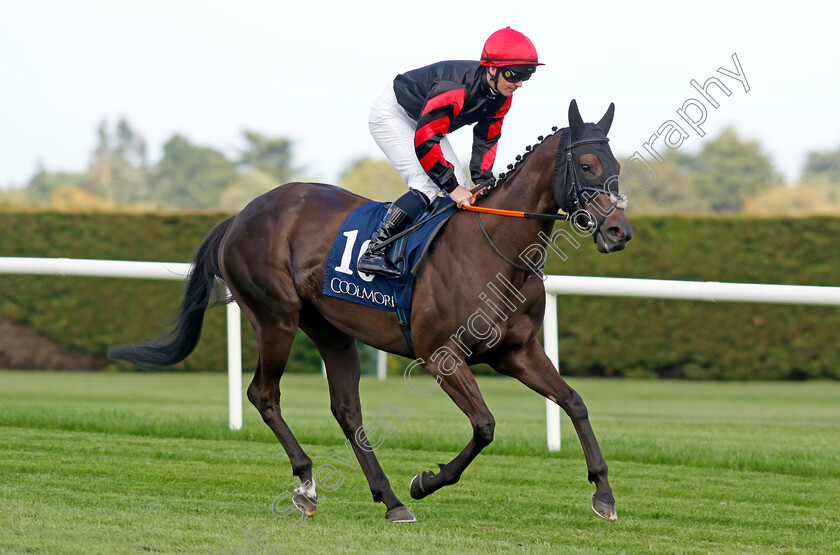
598, 336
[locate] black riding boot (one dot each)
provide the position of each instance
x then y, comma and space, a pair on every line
375, 259
402, 212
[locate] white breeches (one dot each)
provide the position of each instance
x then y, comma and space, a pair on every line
393, 130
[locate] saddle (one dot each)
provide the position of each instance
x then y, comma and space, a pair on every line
344, 281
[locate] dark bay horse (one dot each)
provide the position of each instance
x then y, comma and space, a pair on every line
272, 256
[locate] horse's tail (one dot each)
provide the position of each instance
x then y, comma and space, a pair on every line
181, 341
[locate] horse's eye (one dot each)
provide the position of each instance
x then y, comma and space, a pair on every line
585, 167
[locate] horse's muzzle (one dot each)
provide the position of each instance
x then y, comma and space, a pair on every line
613, 237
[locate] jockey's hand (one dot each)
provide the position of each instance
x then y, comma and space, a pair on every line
461, 196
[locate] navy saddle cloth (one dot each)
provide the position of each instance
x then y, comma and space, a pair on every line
344, 281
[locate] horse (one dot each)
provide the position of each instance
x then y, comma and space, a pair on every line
272, 257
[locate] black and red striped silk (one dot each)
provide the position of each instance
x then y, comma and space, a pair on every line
444, 97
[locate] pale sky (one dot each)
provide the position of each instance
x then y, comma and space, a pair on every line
309, 71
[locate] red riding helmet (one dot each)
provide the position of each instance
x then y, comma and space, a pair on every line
507, 47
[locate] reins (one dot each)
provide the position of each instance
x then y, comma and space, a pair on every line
515, 213
510, 213
496, 249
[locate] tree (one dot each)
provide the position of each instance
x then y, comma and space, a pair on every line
246, 188
99, 176
40, 188
673, 190
374, 179
68, 197
130, 166
189, 176
118, 168
791, 201
729, 170
15, 197
822, 171
270, 155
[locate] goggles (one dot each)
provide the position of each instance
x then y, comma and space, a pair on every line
514, 74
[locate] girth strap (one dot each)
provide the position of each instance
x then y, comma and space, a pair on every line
405, 327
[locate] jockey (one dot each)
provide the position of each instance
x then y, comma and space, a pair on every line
411, 119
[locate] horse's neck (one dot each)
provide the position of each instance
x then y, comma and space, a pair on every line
528, 188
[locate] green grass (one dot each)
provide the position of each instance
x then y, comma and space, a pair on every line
138, 463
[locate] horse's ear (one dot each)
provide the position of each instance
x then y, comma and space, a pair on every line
606, 121
576, 125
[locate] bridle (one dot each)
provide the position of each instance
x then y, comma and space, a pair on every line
578, 189
563, 174
569, 179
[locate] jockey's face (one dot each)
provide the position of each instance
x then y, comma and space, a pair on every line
505, 87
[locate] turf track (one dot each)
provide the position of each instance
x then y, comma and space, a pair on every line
140, 463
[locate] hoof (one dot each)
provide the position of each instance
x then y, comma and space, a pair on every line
400, 514
304, 503
604, 509
416, 486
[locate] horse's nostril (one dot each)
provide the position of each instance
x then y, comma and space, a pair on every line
617, 233
621, 235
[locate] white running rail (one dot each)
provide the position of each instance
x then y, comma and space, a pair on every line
710, 291
143, 270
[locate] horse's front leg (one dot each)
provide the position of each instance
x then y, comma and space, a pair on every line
531, 366
457, 380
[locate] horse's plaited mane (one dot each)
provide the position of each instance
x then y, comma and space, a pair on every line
520, 159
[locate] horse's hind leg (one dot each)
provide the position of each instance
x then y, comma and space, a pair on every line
531, 366
341, 359
264, 393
